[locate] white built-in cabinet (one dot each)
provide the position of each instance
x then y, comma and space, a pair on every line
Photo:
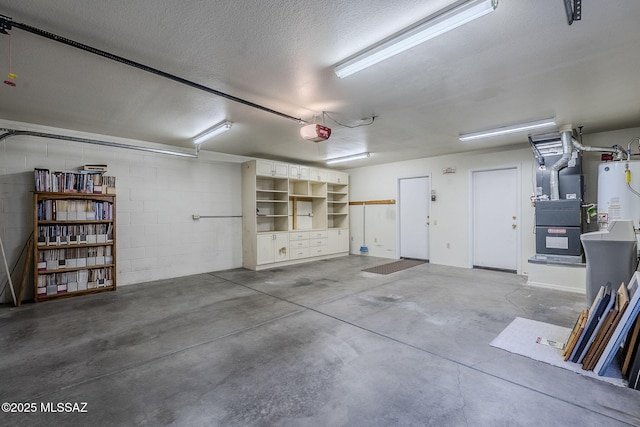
338, 240
271, 168
292, 213
299, 172
318, 175
272, 247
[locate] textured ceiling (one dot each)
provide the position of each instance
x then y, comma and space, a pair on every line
523, 62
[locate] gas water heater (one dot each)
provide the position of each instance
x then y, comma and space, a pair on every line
619, 192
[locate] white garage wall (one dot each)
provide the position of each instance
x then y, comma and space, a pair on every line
450, 213
156, 197
157, 194
449, 231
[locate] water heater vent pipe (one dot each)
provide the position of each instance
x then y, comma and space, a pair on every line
619, 152
568, 143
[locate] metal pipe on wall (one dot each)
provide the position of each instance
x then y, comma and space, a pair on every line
620, 154
13, 132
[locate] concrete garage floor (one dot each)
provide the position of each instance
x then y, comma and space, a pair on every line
319, 344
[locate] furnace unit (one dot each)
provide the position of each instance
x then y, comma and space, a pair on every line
558, 198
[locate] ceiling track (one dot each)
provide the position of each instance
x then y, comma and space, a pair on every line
7, 23
573, 9
7, 133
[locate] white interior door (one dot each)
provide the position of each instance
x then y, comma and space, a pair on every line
495, 219
414, 217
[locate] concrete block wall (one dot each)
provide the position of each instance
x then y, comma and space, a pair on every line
156, 198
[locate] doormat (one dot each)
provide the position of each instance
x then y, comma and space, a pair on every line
521, 337
392, 267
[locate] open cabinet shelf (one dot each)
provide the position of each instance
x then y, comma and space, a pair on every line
288, 211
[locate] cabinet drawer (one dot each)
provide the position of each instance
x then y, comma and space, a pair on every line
296, 244
299, 253
317, 242
318, 234
299, 235
318, 250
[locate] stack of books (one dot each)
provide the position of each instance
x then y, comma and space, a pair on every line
73, 210
88, 180
74, 281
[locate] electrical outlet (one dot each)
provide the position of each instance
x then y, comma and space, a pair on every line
196, 216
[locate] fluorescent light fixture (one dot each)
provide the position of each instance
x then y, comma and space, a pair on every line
212, 131
347, 158
413, 36
508, 129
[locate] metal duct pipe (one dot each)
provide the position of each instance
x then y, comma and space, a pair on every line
619, 152
560, 164
7, 133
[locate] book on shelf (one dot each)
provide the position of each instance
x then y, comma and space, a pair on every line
83, 181
73, 210
72, 281
75, 234
108, 185
98, 168
56, 259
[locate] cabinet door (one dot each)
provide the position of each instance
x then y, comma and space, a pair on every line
342, 178
294, 171
343, 240
264, 168
317, 175
299, 172
281, 247
281, 170
332, 176
304, 172
265, 249
338, 241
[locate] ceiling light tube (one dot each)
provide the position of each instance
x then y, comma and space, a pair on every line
413, 36
508, 129
347, 158
212, 131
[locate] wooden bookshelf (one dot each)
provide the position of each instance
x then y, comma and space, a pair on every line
74, 249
